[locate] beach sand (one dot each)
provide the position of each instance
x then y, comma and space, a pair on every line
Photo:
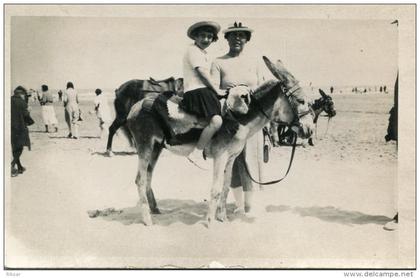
328, 213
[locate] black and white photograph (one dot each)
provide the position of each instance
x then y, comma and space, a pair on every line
224, 136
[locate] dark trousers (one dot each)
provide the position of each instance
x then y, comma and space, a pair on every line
16, 157
239, 174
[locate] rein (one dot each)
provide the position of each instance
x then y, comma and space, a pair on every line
288, 168
310, 110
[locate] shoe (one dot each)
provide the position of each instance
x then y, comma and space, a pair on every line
15, 172
74, 137
69, 136
21, 170
239, 210
391, 225
196, 157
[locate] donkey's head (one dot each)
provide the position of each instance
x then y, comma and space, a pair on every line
327, 104
238, 99
303, 122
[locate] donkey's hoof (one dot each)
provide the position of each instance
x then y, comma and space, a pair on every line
311, 142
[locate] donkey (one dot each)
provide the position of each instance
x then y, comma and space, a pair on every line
133, 91
322, 104
279, 100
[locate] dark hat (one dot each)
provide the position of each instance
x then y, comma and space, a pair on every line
44, 88
70, 85
98, 91
210, 24
237, 27
19, 90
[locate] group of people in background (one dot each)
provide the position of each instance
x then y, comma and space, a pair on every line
365, 90
21, 118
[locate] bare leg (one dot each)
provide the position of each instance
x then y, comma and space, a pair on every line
248, 200
238, 195
209, 131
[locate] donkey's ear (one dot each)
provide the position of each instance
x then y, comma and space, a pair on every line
276, 69
323, 94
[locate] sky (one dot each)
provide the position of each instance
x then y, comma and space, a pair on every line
104, 52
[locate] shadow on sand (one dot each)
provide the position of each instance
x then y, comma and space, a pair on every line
171, 211
332, 214
80, 137
122, 153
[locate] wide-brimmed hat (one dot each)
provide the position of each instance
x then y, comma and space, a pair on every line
237, 27
211, 24
20, 90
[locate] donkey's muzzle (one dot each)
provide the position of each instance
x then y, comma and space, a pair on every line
304, 129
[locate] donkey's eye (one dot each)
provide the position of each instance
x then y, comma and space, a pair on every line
245, 98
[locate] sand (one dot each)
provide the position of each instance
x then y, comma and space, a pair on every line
328, 213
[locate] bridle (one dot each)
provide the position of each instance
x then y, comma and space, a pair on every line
289, 93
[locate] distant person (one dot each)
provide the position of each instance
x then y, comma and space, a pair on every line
392, 130
102, 111
60, 95
72, 112
331, 89
392, 134
47, 109
365, 91
385, 89
20, 120
380, 89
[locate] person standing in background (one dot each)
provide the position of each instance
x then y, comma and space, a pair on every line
60, 95
72, 112
47, 108
101, 108
20, 120
239, 68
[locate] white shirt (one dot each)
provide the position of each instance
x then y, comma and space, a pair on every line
230, 71
194, 57
102, 108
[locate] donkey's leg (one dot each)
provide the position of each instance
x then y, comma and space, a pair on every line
219, 165
221, 209
157, 149
116, 124
141, 182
